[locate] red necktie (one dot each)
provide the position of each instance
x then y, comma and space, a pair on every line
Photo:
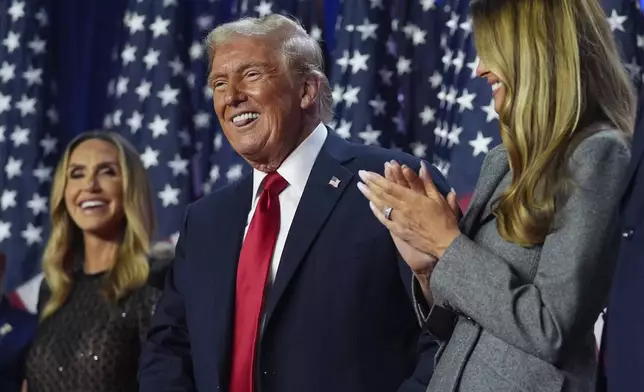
252, 270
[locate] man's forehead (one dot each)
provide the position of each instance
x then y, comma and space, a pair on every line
235, 58
245, 46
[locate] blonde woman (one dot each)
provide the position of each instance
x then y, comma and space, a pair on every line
512, 290
96, 269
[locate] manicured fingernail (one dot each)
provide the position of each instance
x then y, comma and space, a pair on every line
362, 174
365, 175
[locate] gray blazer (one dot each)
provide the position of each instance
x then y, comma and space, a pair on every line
522, 318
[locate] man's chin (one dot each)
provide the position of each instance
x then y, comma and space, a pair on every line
253, 151
262, 163
263, 166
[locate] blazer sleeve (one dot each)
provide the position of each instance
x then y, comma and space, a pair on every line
166, 361
427, 345
573, 271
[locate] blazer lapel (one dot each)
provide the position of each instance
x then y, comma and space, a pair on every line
489, 179
223, 250
326, 184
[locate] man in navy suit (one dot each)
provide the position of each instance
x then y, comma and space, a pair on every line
17, 329
623, 337
285, 281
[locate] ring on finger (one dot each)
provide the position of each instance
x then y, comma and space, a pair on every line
388, 211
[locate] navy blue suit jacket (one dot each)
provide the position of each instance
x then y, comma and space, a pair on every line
339, 316
17, 330
624, 332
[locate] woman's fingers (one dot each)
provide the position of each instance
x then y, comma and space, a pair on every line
393, 173
428, 183
415, 183
452, 201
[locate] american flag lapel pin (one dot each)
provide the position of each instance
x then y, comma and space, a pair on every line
5, 329
334, 182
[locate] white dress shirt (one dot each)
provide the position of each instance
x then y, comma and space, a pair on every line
295, 170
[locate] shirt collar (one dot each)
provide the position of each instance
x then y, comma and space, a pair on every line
297, 166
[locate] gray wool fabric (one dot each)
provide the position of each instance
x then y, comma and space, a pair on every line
526, 315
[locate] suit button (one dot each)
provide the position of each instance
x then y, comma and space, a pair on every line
628, 233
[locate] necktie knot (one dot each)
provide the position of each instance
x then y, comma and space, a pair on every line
274, 183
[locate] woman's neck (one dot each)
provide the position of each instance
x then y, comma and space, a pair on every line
100, 254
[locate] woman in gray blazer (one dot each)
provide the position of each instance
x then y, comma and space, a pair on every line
512, 290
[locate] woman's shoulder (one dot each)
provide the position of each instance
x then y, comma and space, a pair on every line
598, 136
496, 156
602, 134
604, 145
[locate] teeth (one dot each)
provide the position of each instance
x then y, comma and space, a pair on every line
240, 118
92, 203
496, 86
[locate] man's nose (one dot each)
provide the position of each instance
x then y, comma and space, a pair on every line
233, 95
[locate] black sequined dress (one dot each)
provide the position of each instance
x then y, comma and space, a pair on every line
90, 344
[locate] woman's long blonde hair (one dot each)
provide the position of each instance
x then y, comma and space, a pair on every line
561, 71
131, 268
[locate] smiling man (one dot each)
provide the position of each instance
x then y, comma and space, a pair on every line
285, 281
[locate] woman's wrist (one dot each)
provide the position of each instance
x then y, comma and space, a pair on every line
423, 279
449, 239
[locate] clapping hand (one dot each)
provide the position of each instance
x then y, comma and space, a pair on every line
421, 221
420, 263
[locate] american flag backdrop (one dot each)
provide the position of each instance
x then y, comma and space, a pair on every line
404, 77
147, 93
402, 74
28, 144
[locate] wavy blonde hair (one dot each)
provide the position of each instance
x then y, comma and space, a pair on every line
561, 70
131, 269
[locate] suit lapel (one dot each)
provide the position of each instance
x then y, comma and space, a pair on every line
317, 202
224, 250
489, 179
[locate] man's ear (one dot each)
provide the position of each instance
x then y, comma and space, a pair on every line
310, 90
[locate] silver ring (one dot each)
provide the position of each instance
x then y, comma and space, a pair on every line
388, 211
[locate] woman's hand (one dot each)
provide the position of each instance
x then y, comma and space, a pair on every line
426, 222
419, 262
